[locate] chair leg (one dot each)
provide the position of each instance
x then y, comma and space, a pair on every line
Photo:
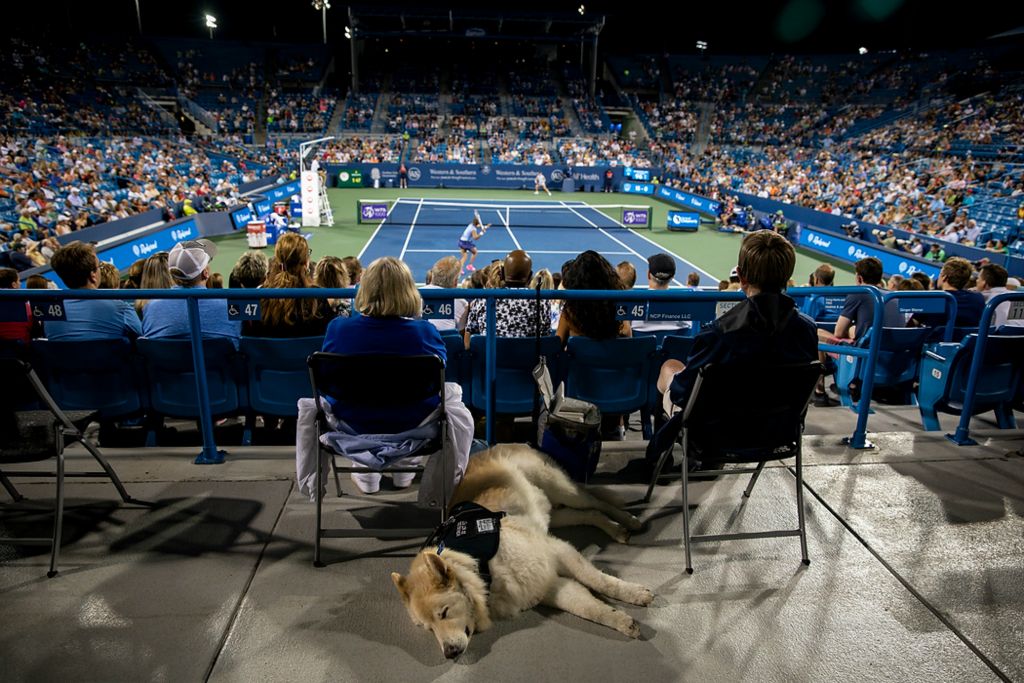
665, 454
334, 469
753, 480
319, 502
800, 504
11, 491
686, 504
929, 417
1004, 416
248, 427
114, 479
58, 517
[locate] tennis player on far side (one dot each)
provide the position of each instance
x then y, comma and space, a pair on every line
467, 243
539, 183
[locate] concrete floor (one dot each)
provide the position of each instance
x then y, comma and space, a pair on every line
917, 571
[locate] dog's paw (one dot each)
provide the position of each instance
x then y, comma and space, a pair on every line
628, 626
632, 523
644, 597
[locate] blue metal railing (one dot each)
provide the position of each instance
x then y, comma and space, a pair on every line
210, 454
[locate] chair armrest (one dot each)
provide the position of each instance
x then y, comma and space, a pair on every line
935, 356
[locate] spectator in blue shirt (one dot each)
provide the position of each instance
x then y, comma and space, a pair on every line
78, 267
189, 264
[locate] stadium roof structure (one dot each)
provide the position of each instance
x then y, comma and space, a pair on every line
422, 22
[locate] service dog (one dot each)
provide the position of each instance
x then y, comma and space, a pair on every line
446, 590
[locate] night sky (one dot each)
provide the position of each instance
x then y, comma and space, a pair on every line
737, 27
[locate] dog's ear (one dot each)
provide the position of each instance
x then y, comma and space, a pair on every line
400, 585
440, 567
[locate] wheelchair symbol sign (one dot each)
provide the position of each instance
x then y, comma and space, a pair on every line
50, 311
244, 310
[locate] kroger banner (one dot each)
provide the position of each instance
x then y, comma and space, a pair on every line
688, 200
125, 254
241, 217
279, 192
893, 263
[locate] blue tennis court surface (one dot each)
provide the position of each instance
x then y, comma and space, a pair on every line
421, 231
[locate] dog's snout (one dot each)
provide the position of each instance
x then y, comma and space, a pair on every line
452, 651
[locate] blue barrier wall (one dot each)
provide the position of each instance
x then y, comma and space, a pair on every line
111, 229
893, 262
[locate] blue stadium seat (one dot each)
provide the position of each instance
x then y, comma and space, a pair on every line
102, 375
278, 375
944, 373
899, 355
516, 359
614, 374
171, 377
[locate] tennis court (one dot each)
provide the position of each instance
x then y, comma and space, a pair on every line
420, 231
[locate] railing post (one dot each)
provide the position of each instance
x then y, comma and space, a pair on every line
210, 455
963, 430
491, 365
859, 438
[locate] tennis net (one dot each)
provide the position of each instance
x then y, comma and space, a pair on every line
574, 214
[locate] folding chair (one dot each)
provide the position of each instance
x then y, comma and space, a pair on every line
375, 383
741, 414
38, 435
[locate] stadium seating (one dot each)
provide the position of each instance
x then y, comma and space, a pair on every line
615, 374
899, 355
944, 375
277, 374
514, 383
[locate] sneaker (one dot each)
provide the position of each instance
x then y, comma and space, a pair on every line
824, 401
403, 480
367, 483
536, 192
470, 267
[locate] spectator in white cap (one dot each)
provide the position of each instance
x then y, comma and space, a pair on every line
661, 269
189, 265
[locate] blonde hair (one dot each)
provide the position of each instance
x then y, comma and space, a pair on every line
155, 275
544, 278
387, 288
110, 277
331, 273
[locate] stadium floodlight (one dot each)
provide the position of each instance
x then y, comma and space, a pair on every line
863, 50
702, 45
348, 33
322, 6
211, 23
582, 10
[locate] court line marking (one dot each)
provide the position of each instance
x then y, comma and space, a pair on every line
659, 247
511, 234
505, 251
612, 237
408, 235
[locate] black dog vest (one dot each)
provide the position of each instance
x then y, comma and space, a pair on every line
470, 529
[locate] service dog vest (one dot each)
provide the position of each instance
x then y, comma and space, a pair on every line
470, 529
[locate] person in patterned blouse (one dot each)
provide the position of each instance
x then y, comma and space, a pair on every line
515, 317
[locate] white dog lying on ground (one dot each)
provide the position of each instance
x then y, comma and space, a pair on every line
446, 589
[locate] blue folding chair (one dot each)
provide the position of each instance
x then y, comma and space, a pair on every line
100, 374
614, 374
944, 373
171, 379
899, 356
514, 381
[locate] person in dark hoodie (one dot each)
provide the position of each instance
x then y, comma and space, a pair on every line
766, 327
